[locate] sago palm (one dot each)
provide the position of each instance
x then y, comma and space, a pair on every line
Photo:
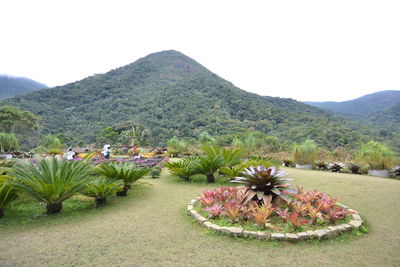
52, 182
7, 194
183, 168
101, 188
208, 165
125, 172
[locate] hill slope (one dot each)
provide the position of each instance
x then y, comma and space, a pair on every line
171, 94
12, 86
362, 107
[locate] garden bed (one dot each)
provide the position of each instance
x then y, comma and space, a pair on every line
247, 230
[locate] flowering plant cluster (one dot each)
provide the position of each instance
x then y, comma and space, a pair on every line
336, 166
304, 209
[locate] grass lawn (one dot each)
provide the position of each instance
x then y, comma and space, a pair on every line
150, 228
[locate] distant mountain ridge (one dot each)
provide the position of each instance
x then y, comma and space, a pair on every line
12, 86
362, 107
172, 94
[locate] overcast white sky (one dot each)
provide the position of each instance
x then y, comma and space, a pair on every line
307, 50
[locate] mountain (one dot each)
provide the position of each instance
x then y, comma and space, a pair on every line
12, 86
362, 107
171, 94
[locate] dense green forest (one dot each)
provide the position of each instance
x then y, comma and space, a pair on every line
170, 94
12, 86
363, 107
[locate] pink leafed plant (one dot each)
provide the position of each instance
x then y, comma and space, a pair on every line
214, 211
232, 209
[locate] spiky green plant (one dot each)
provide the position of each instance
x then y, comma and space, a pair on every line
182, 168
265, 184
231, 157
208, 165
101, 188
378, 156
8, 142
305, 153
52, 182
7, 194
126, 172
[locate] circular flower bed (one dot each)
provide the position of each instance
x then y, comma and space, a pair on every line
268, 208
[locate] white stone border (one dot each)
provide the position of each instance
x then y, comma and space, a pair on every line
319, 234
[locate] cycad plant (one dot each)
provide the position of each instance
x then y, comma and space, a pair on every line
378, 156
209, 163
52, 182
265, 185
7, 194
183, 168
305, 153
125, 172
101, 188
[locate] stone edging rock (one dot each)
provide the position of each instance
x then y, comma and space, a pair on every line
319, 234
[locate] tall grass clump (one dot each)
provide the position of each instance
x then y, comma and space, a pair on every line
8, 142
377, 156
305, 153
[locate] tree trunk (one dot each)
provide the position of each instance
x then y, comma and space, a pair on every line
210, 178
54, 207
101, 200
124, 191
1, 212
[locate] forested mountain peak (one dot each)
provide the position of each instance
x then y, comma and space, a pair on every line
11, 86
171, 94
362, 107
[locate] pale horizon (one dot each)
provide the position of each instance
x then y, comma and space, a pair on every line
305, 50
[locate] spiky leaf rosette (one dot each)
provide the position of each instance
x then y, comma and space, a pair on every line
265, 183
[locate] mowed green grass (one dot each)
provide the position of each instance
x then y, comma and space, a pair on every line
150, 227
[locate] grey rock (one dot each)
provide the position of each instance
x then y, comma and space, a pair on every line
277, 236
312, 234
321, 234
292, 237
263, 235
249, 234
303, 236
355, 224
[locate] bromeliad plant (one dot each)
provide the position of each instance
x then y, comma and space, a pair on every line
305, 210
336, 166
265, 185
51, 182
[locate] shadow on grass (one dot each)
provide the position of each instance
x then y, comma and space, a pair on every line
25, 211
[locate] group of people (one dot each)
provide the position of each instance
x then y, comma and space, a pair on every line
106, 152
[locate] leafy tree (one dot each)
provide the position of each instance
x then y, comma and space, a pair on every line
107, 135
13, 120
